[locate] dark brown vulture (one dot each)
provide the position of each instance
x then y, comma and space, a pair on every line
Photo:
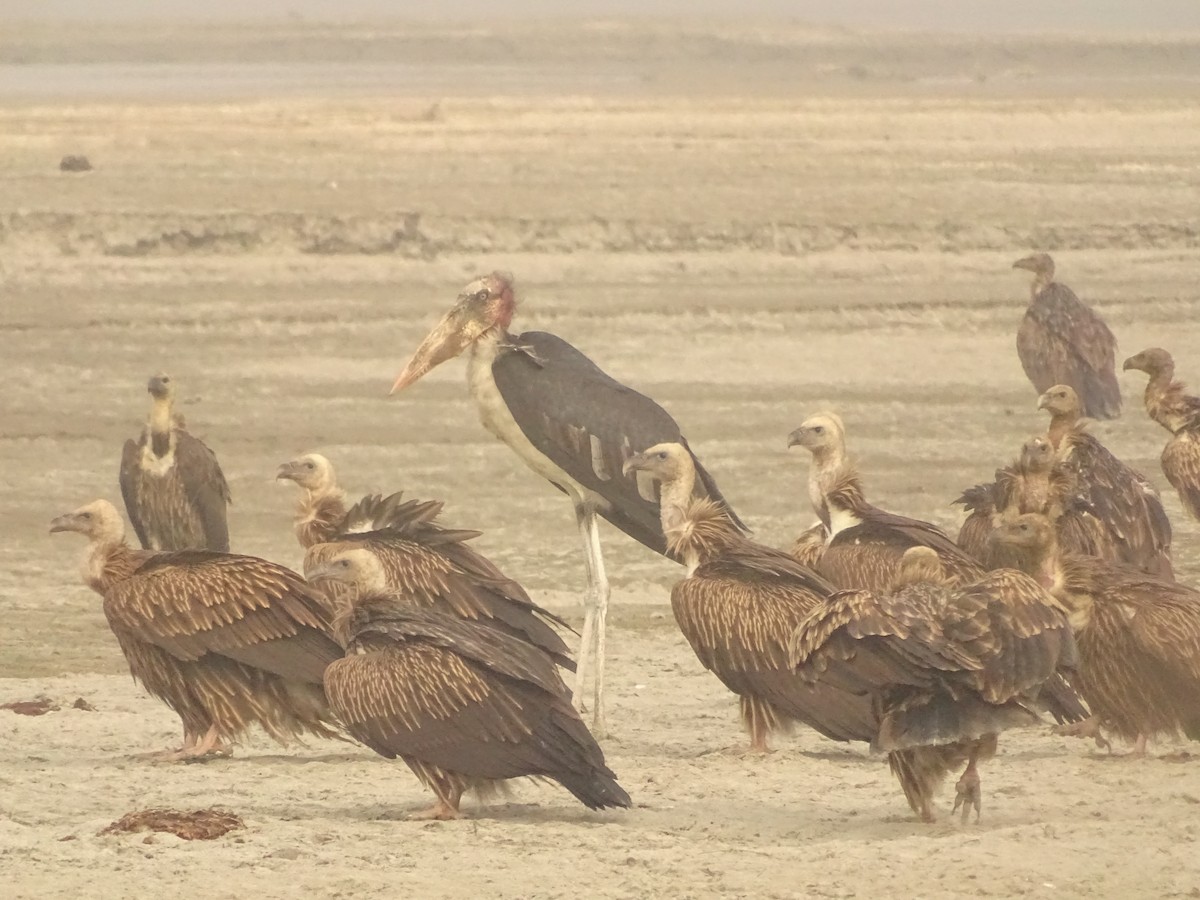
463, 704
1170, 406
174, 490
1138, 637
738, 606
226, 641
429, 564
865, 543
1119, 497
947, 668
1036, 482
1063, 341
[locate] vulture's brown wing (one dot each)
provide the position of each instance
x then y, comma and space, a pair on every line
1064, 341
206, 488
865, 556
1181, 465
194, 602
738, 622
1166, 625
131, 488
1016, 632
809, 546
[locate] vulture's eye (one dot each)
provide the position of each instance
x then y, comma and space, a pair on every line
482, 295
309, 465
662, 454
85, 515
820, 429
165, 380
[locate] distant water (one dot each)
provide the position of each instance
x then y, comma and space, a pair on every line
200, 81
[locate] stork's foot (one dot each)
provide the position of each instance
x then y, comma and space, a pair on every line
969, 795
439, 812
1088, 728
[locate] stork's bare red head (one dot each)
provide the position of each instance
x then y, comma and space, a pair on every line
484, 306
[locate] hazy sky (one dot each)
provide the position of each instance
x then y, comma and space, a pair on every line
957, 15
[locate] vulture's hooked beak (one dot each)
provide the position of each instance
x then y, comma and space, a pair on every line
1130, 363
796, 438
64, 523
636, 463
323, 572
289, 471
1025, 262
449, 337
1044, 401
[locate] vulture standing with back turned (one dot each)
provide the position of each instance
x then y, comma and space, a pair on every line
947, 668
567, 420
226, 641
1064, 341
1170, 406
174, 490
431, 565
465, 706
739, 605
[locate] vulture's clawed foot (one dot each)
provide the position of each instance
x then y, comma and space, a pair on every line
969, 795
439, 812
1088, 728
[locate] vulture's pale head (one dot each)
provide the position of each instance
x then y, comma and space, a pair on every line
1037, 454
312, 471
161, 387
667, 463
819, 434
98, 521
484, 304
1039, 264
919, 565
1060, 400
1032, 533
358, 568
1151, 361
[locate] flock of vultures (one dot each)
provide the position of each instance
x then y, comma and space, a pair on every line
1058, 595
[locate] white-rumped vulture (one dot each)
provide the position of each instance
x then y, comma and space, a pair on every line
226, 641
1122, 499
174, 490
1138, 637
739, 605
431, 565
567, 420
463, 704
1169, 404
947, 668
1064, 341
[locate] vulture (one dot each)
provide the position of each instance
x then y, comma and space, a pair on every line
1138, 636
865, 543
1036, 482
174, 490
226, 641
1179, 413
947, 668
463, 704
1119, 497
431, 565
738, 606
1063, 341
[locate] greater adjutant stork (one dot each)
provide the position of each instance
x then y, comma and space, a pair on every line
568, 421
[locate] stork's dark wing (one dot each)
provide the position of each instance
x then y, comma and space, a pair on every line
588, 424
194, 602
131, 486
206, 488
1064, 341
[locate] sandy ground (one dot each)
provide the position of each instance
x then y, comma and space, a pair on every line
747, 259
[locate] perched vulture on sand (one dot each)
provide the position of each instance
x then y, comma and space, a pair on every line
947, 668
865, 543
226, 641
430, 565
463, 704
1138, 637
1036, 482
1177, 411
1117, 495
1063, 341
738, 607
174, 490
